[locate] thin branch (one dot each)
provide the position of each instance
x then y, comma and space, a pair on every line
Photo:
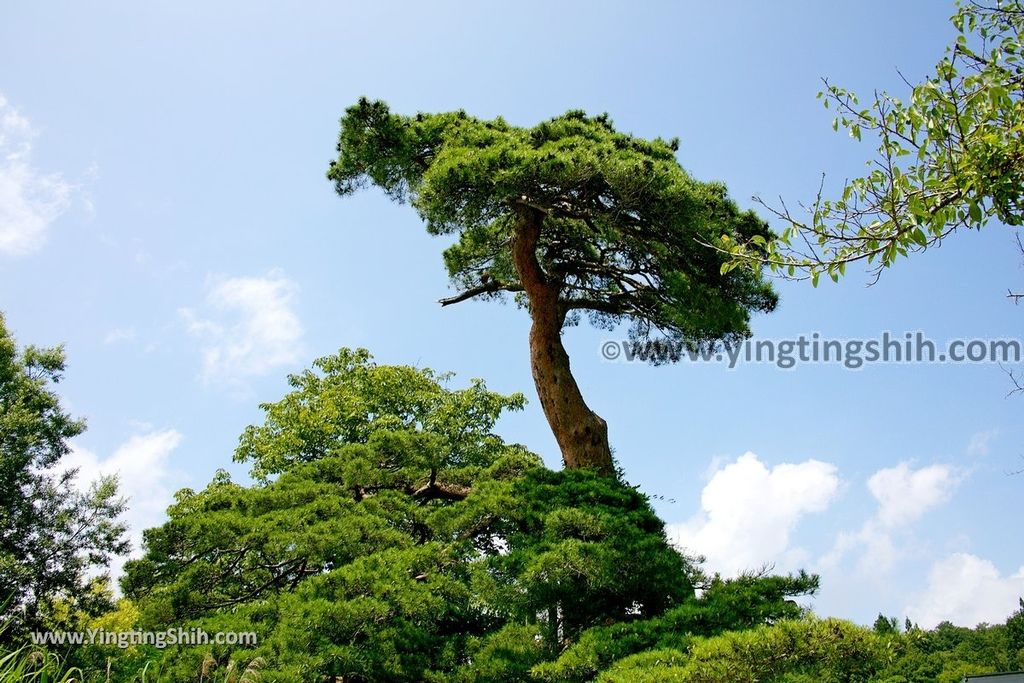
489, 287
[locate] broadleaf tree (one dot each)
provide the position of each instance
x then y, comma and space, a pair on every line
54, 538
949, 158
575, 219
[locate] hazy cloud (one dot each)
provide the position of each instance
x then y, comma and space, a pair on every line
145, 477
903, 495
247, 327
966, 590
119, 334
30, 200
979, 445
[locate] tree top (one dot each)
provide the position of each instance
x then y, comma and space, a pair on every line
621, 227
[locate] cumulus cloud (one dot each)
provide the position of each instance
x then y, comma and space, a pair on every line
30, 200
748, 513
247, 328
966, 590
145, 477
903, 495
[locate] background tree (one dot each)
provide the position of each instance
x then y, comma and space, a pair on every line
575, 218
885, 625
949, 158
1015, 633
51, 536
346, 398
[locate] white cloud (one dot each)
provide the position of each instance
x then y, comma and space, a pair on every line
145, 477
878, 555
714, 465
251, 331
748, 513
979, 443
966, 590
904, 495
30, 201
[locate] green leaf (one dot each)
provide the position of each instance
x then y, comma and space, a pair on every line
975, 212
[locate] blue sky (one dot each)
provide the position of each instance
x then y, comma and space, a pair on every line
164, 212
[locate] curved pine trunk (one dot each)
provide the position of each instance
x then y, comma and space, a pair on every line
582, 434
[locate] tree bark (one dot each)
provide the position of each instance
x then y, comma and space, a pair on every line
582, 435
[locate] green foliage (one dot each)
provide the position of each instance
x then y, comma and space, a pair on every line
1015, 634
950, 157
51, 535
946, 653
804, 651
108, 661
621, 220
393, 536
347, 397
735, 604
885, 625
389, 587
399, 540
504, 656
27, 665
586, 544
828, 651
